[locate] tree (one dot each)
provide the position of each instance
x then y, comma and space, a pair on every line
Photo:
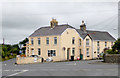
24, 44
116, 46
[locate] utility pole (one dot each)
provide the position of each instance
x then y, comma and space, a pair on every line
3, 42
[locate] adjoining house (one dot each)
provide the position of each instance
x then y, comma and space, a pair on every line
63, 42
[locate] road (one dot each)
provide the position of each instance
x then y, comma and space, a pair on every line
74, 68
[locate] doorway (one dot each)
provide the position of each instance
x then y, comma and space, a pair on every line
81, 55
32, 51
68, 53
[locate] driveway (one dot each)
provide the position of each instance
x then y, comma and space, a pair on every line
73, 68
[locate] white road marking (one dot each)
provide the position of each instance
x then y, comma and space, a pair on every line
67, 64
18, 73
6, 70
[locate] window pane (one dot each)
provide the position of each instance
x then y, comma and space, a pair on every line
73, 51
87, 42
51, 53
98, 43
39, 41
80, 41
87, 51
47, 40
73, 40
55, 40
32, 41
98, 51
39, 52
105, 44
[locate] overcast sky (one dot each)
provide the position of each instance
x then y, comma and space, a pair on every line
20, 19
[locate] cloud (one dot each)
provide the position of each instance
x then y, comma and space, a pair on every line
20, 19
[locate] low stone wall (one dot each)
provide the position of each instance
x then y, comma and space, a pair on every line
112, 58
28, 60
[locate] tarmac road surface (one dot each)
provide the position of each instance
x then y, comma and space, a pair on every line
72, 68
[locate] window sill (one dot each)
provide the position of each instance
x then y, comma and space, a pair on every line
88, 55
87, 45
54, 44
98, 46
72, 55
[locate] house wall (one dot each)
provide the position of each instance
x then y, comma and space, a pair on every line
45, 47
101, 47
66, 42
85, 56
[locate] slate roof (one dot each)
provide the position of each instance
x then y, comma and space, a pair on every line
100, 35
58, 30
82, 34
47, 31
96, 35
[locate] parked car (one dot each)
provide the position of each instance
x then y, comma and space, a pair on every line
49, 59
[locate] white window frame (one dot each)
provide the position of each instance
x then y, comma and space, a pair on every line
55, 40
80, 42
73, 51
80, 51
87, 51
39, 41
87, 42
32, 41
52, 53
73, 40
98, 51
47, 40
39, 51
105, 44
98, 43
32, 50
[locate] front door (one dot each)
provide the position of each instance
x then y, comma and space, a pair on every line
68, 51
32, 51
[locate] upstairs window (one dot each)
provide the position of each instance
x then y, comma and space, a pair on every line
38, 41
73, 51
55, 40
80, 41
87, 42
80, 51
105, 44
87, 51
111, 43
47, 40
32, 41
98, 43
73, 40
39, 51
98, 51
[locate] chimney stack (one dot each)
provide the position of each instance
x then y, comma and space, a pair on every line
83, 26
53, 23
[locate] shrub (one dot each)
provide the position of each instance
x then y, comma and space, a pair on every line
110, 51
10, 57
6, 58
